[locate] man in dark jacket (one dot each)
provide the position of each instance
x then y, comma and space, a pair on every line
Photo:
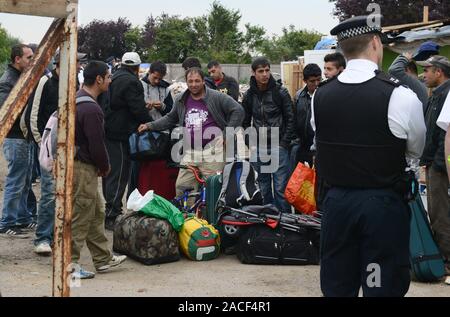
301, 151
225, 84
270, 106
125, 112
18, 153
437, 76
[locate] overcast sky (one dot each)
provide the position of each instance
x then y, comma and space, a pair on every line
272, 15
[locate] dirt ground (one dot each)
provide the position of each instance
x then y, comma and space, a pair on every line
24, 274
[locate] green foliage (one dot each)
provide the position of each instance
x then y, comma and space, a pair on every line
290, 45
171, 38
6, 42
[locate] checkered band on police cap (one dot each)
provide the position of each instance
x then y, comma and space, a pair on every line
357, 31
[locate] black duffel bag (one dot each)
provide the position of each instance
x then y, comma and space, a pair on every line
260, 244
149, 146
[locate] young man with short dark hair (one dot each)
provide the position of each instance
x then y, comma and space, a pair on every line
91, 161
334, 65
19, 154
225, 84
301, 151
269, 106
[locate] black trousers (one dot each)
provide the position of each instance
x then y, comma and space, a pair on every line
365, 243
115, 184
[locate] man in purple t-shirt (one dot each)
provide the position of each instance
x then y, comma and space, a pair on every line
204, 113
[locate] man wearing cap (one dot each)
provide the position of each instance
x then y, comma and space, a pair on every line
125, 112
436, 76
444, 123
44, 104
365, 123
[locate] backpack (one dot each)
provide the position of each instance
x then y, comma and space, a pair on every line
240, 186
47, 152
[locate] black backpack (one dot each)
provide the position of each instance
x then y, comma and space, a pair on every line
240, 186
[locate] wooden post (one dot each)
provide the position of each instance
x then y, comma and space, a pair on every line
65, 159
45, 8
426, 14
13, 106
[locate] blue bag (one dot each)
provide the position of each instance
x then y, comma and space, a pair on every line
149, 146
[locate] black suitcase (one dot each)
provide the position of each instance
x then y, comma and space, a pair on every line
260, 244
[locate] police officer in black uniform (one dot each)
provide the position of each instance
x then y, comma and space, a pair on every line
366, 125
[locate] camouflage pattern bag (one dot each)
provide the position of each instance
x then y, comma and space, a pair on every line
147, 240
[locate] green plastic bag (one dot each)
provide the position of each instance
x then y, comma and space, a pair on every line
156, 206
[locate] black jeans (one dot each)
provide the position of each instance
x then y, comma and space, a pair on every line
365, 243
115, 184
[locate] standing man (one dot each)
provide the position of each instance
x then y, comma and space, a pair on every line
301, 149
225, 84
335, 64
18, 153
365, 123
156, 89
126, 111
405, 69
437, 77
444, 123
91, 161
45, 103
194, 62
270, 107
205, 114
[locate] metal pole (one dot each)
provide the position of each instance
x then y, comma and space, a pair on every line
17, 100
65, 158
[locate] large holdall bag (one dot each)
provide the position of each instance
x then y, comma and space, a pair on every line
159, 177
147, 240
199, 240
260, 244
426, 260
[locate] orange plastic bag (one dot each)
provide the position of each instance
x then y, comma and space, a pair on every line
301, 189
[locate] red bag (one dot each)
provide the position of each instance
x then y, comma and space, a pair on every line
301, 189
157, 176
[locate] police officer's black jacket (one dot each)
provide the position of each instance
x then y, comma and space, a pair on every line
355, 146
126, 108
270, 108
434, 153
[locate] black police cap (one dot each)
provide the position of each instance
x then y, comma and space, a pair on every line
357, 26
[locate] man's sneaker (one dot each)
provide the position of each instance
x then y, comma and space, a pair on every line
447, 280
115, 261
29, 227
82, 274
43, 249
13, 233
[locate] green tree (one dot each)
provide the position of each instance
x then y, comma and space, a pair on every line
6, 42
173, 38
290, 45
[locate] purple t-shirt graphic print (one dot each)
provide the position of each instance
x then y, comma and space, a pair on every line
198, 120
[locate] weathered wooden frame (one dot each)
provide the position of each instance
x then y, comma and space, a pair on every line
63, 32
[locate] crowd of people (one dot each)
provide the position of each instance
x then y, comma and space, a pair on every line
357, 127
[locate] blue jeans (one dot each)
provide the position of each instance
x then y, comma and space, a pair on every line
46, 216
279, 179
18, 154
